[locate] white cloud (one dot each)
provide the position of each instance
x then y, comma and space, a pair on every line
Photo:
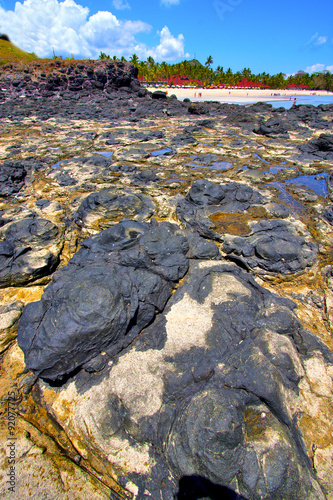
321, 40
170, 47
315, 68
312, 39
42, 26
318, 68
317, 40
168, 3
121, 4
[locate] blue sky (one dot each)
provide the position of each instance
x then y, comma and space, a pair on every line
284, 36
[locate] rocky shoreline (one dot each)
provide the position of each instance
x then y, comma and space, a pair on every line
166, 290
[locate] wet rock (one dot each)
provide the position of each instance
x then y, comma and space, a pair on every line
206, 198
273, 247
106, 295
29, 250
108, 206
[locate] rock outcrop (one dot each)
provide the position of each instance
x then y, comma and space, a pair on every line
166, 289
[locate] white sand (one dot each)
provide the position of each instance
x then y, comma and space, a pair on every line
240, 95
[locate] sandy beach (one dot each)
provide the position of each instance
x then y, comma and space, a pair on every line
241, 95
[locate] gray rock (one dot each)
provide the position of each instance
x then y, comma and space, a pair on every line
206, 198
211, 388
29, 250
102, 209
272, 128
12, 177
107, 294
272, 247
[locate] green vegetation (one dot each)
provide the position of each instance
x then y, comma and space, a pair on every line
150, 70
9, 53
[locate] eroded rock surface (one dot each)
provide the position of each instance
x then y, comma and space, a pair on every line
106, 295
29, 250
198, 342
103, 208
213, 387
273, 246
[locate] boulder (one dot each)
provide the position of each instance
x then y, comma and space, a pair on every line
272, 247
272, 128
105, 208
12, 177
159, 94
108, 293
215, 387
206, 198
29, 250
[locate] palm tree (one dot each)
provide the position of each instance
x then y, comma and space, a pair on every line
209, 62
150, 61
134, 60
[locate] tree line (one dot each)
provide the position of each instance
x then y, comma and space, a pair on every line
150, 70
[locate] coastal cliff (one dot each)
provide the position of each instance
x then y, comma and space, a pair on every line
166, 291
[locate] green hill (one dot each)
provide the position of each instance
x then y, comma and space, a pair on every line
9, 53
195, 63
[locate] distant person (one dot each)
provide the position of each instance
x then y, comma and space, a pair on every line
294, 103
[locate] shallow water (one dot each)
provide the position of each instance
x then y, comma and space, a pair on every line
160, 152
262, 159
314, 182
286, 197
107, 154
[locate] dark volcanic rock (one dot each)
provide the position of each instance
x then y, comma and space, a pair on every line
159, 94
29, 250
272, 128
212, 387
274, 246
205, 198
108, 206
145, 177
319, 148
12, 176
197, 109
183, 139
105, 296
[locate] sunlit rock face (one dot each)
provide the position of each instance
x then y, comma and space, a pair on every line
212, 387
